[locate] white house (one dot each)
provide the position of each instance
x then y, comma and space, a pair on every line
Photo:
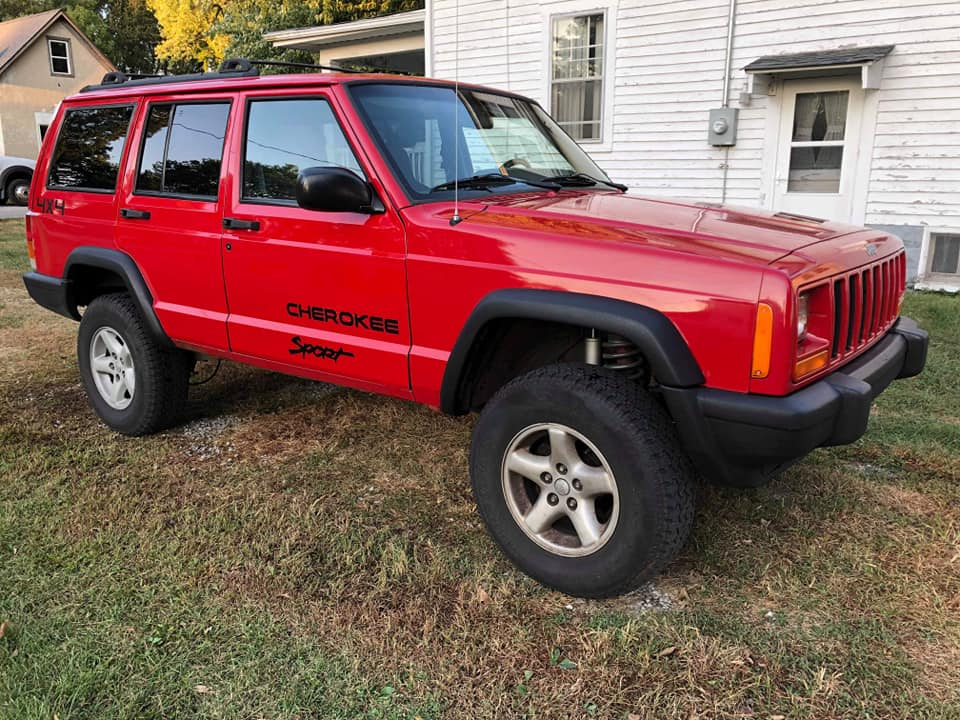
844, 109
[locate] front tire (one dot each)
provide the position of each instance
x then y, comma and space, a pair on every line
579, 477
136, 386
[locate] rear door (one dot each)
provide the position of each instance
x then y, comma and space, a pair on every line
169, 214
322, 294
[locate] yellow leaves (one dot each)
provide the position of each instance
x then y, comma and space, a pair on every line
186, 28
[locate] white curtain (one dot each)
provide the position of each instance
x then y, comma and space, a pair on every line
835, 108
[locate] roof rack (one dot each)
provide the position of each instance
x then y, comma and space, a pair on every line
229, 68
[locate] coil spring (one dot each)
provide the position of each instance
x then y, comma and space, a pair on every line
621, 355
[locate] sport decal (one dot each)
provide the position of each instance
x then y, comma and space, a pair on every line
303, 349
344, 318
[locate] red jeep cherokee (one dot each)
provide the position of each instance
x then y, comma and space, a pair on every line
455, 247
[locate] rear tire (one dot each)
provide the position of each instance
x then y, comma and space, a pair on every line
18, 191
618, 504
136, 386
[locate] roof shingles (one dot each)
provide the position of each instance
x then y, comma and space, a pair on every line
17, 34
820, 58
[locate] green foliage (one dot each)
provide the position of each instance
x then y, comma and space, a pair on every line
126, 31
244, 22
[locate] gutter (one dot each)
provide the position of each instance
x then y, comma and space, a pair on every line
724, 101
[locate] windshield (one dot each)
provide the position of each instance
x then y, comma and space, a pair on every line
493, 135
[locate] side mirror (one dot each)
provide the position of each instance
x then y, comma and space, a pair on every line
333, 189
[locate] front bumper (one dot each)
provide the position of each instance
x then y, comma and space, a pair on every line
742, 440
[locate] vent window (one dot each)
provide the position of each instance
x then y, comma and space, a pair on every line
945, 253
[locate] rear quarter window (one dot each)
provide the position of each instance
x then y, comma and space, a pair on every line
89, 148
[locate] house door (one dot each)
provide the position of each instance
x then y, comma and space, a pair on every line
819, 148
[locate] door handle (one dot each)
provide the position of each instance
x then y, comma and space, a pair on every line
236, 224
132, 214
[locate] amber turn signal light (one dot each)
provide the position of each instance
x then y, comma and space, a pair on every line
811, 364
762, 341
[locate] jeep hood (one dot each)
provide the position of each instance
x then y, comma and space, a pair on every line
742, 234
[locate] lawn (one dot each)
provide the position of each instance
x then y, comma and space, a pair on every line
297, 550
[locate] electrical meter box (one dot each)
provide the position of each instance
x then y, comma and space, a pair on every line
723, 126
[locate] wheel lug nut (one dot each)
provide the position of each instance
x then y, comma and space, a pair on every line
577, 485
546, 477
561, 468
552, 499
571, 503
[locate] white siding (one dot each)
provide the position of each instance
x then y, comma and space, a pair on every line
668, 73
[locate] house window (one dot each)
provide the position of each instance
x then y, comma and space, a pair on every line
577, 75
59, 56
944, 253
816, 148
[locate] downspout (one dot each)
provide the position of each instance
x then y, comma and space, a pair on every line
724, 101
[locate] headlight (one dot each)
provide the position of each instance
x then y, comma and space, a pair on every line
803, 307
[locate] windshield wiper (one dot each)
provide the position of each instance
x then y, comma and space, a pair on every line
482, 182
581, 179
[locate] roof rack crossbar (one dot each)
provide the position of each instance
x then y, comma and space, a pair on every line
234, 67
288, 63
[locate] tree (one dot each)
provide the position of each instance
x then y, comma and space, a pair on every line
126, 31
245, 21
188, 40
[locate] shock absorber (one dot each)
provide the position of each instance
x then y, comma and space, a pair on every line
616, 353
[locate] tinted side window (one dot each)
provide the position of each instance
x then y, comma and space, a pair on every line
89, 148
182, 149
286, 136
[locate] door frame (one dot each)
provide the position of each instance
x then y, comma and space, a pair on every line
863, 149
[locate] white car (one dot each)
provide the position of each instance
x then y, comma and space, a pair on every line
15, 175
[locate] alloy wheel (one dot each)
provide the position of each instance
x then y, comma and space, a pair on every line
111, 366
560, 489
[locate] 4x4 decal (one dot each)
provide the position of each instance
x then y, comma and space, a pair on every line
318, 351
344, 318
49, 206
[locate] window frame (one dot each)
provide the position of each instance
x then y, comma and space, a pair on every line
800, 144
248, 101
228, 101
61, 124
928, 279
69, 55
606, 110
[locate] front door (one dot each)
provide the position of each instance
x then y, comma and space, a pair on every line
819, 148
321, 294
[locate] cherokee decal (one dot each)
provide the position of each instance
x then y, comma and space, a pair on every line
303, 349
344, 318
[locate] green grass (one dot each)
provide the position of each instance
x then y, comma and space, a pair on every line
301, 551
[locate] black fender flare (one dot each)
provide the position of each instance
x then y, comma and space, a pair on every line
125, 267
10, 172
650, 330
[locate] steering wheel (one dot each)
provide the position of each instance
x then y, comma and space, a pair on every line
513, 162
